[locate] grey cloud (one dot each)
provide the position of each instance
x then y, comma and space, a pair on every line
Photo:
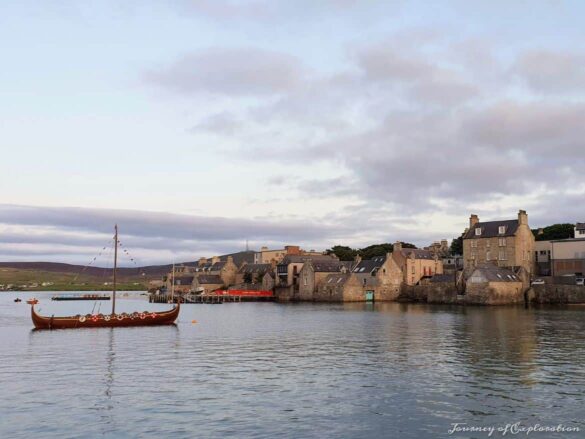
551, 71
230, 71
223, 123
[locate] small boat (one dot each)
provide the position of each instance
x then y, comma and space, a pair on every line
112, 320
32, 301
18, 300
81, 297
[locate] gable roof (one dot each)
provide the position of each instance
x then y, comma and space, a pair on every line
580, 226
336, 279
209, 279
183, 280
326, 266
255, 268
369, 265
492, 273
418, 253
218, 266
490, 229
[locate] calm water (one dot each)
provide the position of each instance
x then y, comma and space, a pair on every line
268, 370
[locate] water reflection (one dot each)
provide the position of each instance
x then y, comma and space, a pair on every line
268, 370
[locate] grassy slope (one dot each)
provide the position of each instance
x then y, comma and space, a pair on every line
67, 281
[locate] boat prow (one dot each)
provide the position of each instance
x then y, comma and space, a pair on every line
145, 318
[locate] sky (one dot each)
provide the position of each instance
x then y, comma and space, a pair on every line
200, 125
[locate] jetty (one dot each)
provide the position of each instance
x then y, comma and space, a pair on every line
219, 296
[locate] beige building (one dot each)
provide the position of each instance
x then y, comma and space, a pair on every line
506, 243
416, 264
568, 257
267, 256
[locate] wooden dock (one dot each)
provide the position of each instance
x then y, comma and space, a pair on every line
201, 298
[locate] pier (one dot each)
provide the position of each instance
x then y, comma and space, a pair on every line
221, 297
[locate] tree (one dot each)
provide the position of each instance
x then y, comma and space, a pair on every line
457, 246
556, 231
343, 252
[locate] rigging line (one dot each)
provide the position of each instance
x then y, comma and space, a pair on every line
88, 265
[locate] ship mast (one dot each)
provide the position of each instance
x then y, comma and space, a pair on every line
115, 269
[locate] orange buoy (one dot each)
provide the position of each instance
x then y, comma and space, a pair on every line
193, 321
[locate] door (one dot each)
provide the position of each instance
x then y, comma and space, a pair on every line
369, 296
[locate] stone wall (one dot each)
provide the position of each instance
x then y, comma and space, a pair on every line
439, 292
494, 293
558, 294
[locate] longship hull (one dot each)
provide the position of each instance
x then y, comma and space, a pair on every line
146, 318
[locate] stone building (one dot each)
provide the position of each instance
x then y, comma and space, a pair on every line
182, 283
579, 230
416, 264
314, 273
253, 273
226, 270
505, 243
439, 248
287, 271
378, 278
490, 284
207, 283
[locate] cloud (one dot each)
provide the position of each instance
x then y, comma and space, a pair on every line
230, 71
60, 233
547, 71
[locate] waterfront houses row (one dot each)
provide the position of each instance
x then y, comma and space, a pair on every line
499, 261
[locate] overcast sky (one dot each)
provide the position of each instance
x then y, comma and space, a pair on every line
199, 124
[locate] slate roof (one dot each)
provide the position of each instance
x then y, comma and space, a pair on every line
255, 268
490, 229
209, 279
336, 279
218, 266
418, 253
183, 280
326, 266
297, 259
580, 226
493, 273
369, 265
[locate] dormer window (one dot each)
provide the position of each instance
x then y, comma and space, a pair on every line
502, 230
478, 231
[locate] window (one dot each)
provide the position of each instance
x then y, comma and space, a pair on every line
488, 244
473, 243
502, 242
488, 255
478, 231
502, 255
501, 230
305, 280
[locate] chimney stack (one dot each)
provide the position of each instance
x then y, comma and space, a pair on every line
397, 246
473, 220
522, 217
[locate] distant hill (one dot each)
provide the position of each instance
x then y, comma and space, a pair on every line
70, 276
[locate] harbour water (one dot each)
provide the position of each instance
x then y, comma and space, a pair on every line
297, 370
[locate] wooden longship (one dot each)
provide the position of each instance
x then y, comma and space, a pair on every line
145, 318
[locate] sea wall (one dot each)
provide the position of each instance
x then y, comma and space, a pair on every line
440, 292
557, 294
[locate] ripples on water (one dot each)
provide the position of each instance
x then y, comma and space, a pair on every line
269, 370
